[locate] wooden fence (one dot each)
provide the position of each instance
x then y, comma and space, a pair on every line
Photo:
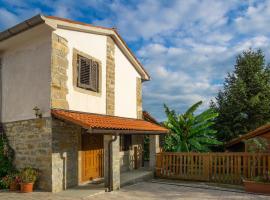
215, 167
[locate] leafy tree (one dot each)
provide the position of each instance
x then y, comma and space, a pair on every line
189, 132
244, 103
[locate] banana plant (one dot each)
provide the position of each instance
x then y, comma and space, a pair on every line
190, 132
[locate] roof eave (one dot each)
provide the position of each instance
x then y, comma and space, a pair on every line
112, 32
25, 25
125, 131
257, 132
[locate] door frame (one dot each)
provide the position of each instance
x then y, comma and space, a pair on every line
81, 159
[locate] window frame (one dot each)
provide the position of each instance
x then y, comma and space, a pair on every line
76, 54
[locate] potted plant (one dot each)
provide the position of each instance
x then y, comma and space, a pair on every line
257, 184
11, 181
28, 177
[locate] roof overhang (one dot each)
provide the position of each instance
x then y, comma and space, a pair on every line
108, 125
56, 22
257, 132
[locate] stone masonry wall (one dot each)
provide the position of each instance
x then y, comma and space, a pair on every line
32, 142
65, 154
115, 162
110, 77
139, 97
153, 150
59, 65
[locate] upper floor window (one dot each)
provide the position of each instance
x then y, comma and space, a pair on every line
88, 73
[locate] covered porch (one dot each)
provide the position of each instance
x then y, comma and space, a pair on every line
112, 148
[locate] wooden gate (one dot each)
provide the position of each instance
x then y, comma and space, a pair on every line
92, 157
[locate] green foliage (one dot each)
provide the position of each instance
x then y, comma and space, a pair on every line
244, 103
29, 175
10, 178
6, 157
189, 132
257, 145
146, 148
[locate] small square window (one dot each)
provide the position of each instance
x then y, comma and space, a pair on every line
88, 73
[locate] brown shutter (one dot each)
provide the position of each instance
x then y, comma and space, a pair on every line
87, 74
94, 76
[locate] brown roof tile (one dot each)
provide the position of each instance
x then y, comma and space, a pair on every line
98, 121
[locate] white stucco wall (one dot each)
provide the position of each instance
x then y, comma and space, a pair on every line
125, 86
26, 74
95, 46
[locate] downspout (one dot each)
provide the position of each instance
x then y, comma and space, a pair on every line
110, 188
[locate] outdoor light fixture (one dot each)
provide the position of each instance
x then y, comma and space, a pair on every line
37, 112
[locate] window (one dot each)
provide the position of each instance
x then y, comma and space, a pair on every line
125, 142
88, 73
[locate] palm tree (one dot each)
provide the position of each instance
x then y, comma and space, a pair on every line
190, 132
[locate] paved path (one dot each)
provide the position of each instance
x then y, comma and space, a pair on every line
145, 191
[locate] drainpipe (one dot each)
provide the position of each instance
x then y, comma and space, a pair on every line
64, 157
110, 188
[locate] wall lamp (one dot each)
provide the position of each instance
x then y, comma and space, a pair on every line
37, 112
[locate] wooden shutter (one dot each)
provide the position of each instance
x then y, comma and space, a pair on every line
88, 74
94, 76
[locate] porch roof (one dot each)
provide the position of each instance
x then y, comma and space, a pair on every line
98, 123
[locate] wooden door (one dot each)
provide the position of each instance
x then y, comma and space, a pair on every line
92, 156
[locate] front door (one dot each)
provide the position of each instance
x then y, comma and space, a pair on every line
92, 156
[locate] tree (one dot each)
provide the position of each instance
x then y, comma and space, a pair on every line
244, 103
189, 132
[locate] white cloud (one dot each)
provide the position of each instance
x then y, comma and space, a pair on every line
7, 18
187, 46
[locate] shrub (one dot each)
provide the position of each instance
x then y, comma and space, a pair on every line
10, 178
6, 158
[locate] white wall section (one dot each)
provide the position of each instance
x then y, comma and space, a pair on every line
26, 75
125, 86
95, 46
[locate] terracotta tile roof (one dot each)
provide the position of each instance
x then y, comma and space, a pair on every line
98, 121
257, 132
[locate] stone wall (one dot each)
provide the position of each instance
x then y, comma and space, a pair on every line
66, 145
139, 97
32, 142
115, 162
110, 77
59, 65
153, 149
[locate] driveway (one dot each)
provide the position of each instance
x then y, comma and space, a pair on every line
146, 191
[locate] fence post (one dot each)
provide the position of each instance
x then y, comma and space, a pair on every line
158, 164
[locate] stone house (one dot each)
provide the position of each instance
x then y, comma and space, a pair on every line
71, 102
240, 144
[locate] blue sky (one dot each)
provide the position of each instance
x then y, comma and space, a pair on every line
188, 47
